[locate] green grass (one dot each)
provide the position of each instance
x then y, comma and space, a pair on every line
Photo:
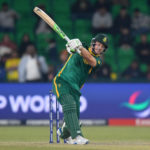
101, 138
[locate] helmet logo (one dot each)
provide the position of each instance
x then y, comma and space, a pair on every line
104, 39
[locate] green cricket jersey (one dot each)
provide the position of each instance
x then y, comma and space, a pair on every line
76, 70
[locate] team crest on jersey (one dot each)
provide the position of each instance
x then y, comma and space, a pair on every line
85, 61
104, 39
59, 85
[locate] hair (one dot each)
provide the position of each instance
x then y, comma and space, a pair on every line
4, 4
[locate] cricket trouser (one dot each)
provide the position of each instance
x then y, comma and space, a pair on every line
69, 99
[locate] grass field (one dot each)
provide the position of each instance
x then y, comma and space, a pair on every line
101, 138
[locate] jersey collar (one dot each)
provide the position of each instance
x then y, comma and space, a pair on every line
90, 50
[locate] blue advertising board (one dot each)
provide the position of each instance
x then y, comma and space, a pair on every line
98, 101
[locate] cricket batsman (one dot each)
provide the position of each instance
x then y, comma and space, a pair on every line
69, 80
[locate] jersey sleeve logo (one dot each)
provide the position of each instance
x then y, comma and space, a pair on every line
99, 62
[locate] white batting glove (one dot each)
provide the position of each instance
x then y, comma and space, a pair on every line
70, 51
74, 45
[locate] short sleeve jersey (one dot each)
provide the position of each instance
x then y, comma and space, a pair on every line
76, 70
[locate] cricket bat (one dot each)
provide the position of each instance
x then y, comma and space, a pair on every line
51, 23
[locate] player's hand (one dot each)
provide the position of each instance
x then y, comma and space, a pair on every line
73, 46
69, 50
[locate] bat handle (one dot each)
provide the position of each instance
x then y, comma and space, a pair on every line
67, 39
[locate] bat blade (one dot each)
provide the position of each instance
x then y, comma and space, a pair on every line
50, 22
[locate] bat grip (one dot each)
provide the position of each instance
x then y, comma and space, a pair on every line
67, 39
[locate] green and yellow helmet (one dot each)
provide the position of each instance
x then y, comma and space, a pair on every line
102, 38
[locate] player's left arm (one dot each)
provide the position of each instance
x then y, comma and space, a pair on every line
89, 58
76, 46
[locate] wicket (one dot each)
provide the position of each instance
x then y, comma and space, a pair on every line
51, 118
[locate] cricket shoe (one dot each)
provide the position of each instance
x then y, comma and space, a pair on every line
68, 140
79, 140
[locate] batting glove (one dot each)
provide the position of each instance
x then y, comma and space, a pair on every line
74, 45
69, 50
